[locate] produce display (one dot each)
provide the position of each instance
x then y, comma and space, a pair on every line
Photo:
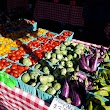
48, 65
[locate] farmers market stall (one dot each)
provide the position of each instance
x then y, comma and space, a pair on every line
44, 70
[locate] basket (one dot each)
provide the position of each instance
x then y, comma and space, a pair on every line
27, 88
16, 79
68, 37
45, 96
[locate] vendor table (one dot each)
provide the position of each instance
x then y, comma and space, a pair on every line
16, 99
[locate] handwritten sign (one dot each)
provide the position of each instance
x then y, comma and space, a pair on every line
59, 104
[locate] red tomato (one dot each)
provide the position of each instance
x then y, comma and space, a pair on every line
13, 51
21, 48
3, 66
13, 58
18, 57
20, 67
0, 67
18, 52
20, 72
30, 44
51, 41
26, 68
8, 70
38, 51
9, 54
2, 63
7, 63
11, 73
13, 55
33, 62
14, 66
57, 43
16, 75
40, 55
3, 60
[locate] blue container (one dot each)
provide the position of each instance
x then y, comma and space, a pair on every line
16, 79
2, 57
25, 87
68, 37
45, 96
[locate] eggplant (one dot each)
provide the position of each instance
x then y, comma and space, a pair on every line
103, 49
95, 62
83, 65
75, 97
65, 89
81, 75
83, 59
91, 50
88, 59
100, 60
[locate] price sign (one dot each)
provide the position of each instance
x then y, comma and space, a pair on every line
58, 104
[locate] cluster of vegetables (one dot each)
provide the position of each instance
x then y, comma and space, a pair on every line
46, 82
82, 73
42, 31
6, 45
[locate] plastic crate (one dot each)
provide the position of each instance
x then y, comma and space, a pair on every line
68, 37
27, 88
45, 96
16, 79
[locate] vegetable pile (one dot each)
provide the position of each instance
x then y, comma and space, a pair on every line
56, 66
82, 72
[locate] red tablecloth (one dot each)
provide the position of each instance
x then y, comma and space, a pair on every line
16, 99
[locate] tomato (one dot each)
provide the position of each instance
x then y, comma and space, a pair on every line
11, 73
51, 41
57, 43
13, 58
8, 70
7, 64
50, 48
40, 38
13, 55
30, 44
13, 51
40, 55
14, 66
2, 63
20, 72
18, 57
20, 67
38, 51
3, 60
3, 66
0, 67
21, 48
9, 55
16, 75
18, 52
33, 62
26, 68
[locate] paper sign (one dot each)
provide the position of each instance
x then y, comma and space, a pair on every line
59, 104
